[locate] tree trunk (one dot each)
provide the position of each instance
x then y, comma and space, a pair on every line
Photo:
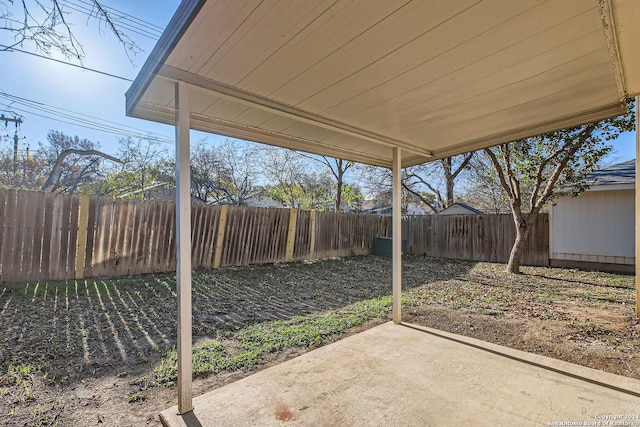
339, 193
515, 257
447, 164
450, 186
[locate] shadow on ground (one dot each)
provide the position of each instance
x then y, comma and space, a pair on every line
89, 328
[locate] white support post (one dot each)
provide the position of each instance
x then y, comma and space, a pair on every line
183, 249
396, 245
637, 213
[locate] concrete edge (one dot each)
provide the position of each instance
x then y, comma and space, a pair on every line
605, 379
170, 416
186, 420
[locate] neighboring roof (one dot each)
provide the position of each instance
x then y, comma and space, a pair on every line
354, 79
621, 173
458, 206
378, 210
262, 200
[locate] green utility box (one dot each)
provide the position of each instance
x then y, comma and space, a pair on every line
382, 246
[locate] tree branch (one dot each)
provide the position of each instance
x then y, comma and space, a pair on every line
418, 195
463, 165
551, 182
54, 177
515, 183
422, 181
499, 171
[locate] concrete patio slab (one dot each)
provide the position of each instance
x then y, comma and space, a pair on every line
406, 375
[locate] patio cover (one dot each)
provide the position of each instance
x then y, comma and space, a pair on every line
353, 79
391, 83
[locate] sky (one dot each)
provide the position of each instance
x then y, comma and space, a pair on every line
67, 95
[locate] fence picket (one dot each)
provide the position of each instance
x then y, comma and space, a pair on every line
39, 233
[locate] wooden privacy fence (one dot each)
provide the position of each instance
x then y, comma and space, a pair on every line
46, 236
474, 237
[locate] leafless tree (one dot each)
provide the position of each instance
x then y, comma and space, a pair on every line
73, 161
47, 25
55, 176
433, 183
225, 173
338, 169
482, 188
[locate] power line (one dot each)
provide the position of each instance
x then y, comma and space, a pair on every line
135, 25
27, 106
84, 124
96, 127
118, 18
13, 49
123, 26
124, 15
62, 115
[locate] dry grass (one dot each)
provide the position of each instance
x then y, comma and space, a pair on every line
83, 352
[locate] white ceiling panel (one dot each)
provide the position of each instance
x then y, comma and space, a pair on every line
357, 78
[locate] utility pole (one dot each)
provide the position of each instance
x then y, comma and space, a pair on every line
17, 121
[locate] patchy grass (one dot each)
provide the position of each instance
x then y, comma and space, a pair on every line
209, 358
18, 379
310, 331
137, 397
582, 317
247, 347
17, 385
116, 338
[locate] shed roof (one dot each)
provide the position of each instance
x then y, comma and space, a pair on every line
620, 173
464, 206
354, 79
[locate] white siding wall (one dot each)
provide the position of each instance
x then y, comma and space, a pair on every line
597, 226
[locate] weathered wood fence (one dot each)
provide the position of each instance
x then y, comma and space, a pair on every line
474, 237
45, 236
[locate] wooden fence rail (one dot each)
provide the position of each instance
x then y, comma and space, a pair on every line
45, 236
474, 237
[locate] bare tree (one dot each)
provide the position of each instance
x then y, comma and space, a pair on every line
241, 163
224, 174
482, 188
142, 163
141, 158
285, 170
53, 181
435, 176
338, 169
209, 180
74, 162
46, 24
432, 184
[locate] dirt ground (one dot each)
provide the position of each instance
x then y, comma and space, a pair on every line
82, 353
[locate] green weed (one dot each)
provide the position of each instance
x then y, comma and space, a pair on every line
272, 337
136, 397
21, 377
209, 358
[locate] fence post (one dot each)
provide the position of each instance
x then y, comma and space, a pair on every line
291, 234
312, 230
222, 225
81, 242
